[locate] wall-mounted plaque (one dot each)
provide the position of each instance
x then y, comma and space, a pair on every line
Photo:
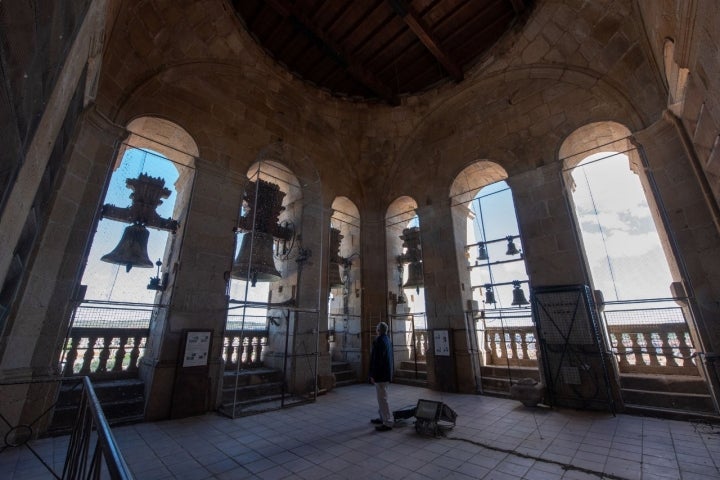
441, 341
197, 349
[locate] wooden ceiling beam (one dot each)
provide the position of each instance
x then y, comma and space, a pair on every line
518, 5
422, 31
357, 71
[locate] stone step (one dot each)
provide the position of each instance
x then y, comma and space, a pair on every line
411, 365
344, 374
254, 376
248, 392
668, 400
122, 402
497, 379
690, 384
414, 382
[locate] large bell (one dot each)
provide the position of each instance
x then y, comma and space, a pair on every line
132, 249
482, 252
415, 276
489, 294
518, 295
257, 265
334, 276
511, 248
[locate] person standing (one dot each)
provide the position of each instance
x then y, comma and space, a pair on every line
381, 375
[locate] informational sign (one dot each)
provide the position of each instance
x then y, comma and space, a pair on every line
197, 349
442, 343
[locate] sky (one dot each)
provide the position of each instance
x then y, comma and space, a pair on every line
110, 282
622, 245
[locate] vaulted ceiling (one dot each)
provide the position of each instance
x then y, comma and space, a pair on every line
378, 50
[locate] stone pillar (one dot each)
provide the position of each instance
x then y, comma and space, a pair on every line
553, 252
197, 300
551, 243
34, 340
692, 222
375, 283
445, 300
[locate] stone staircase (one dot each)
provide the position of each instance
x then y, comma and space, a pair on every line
669, 396
496, 379
122, 402
407, 374
248, 390
344, 374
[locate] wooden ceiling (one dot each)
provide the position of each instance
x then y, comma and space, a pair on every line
378, 50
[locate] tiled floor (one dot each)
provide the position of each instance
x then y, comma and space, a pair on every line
332, 439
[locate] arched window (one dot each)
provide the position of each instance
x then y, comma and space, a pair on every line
128, 273
491, 263
628, 254
406, 295
345, 284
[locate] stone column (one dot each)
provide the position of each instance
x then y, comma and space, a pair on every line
692, 220
445, 300
554, 256
551, 243
197, 300
34, 340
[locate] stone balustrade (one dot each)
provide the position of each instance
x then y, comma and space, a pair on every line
243, 348
514, 346
103, 352
664, 348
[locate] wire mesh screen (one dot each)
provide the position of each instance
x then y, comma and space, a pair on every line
90, 316
576, 370
623, 248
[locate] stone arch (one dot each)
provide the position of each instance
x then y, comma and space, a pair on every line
499, 118
606, 139
676, 78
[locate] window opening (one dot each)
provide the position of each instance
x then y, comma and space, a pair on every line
630, 262
344, 286
113, 282
624, 252
497, 268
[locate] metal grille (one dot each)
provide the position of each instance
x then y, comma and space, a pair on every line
117, 316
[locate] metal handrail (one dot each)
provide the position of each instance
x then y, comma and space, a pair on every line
80, 462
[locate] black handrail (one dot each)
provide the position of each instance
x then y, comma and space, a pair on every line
80, 463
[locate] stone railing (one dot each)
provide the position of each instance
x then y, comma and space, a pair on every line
103, 352
420, 344
514, 346
664, 348
243, 348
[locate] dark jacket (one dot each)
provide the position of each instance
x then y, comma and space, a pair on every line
381, 359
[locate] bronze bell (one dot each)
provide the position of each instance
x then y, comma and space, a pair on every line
482, 252
518, 295
334, 276
489, 294
415, 276
132, 249
511, 248
258, 265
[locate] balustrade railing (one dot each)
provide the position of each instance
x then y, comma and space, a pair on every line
107, 339
648, 340
657, 349
420, 344
103, 352
244, 348
513, 346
